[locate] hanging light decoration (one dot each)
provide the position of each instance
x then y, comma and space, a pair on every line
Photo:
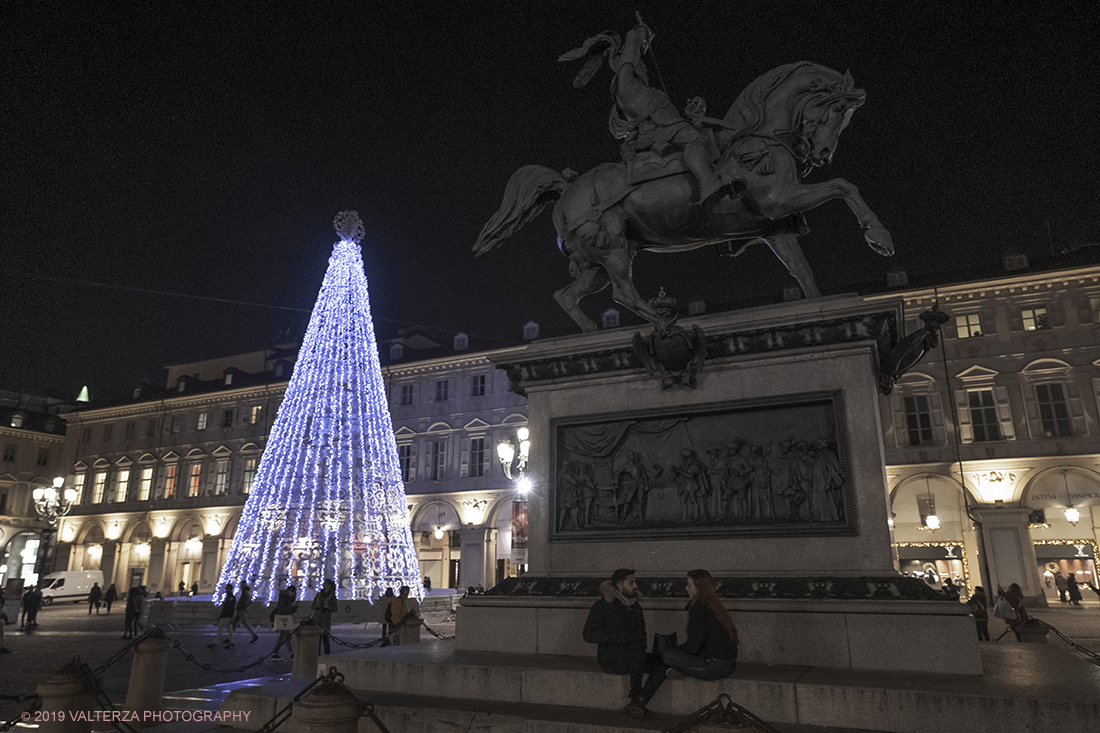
1073, 516
931, 521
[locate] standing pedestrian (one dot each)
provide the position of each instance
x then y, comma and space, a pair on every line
3, 622
93, 598
142, 606
1074, 589
35, 604
1014, 597
226, 614
182, 589
286, 606
1061, 585
979, 609
110, 597
25, 607
387, 618
242, 610
324, 605
131, 614
195, 588
399, 613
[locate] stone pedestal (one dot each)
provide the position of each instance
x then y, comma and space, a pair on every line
778, 359
305, 650
147, 674
62, 695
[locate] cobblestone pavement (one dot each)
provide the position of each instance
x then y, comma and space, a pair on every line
66, 630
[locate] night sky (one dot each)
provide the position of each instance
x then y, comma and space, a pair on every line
204, 153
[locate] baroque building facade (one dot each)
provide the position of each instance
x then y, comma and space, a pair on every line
987, 443
996, 436
162, 480
32, 435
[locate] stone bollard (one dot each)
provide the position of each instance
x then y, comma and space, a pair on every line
147, 674
330, 708
305, 650
63, 695
409, 633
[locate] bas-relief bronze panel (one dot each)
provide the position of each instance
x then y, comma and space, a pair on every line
762, 468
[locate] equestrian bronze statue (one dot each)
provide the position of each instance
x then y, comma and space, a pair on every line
689, 180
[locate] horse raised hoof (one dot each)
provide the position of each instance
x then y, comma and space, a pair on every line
879, 240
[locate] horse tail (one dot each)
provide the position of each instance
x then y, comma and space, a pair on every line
530, 190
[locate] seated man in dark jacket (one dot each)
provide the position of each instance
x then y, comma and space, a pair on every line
616, 625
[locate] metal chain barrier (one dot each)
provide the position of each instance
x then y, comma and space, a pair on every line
207, 667
151, 633
91, 679
376, 642
283, 714
332, 677
1092, 656
723, 711
21, 717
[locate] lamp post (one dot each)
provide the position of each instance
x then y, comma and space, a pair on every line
515, 468
51, 503
506, 452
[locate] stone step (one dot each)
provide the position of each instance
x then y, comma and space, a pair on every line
1028, 687
408, 713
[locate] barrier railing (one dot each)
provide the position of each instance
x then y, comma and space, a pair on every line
722, 712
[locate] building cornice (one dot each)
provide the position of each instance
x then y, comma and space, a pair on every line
446, 363
7, 432
171, 403
1001, 286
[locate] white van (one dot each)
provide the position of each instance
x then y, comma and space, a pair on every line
70, 585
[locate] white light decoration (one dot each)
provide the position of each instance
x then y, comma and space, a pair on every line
932, 522
328, 500
1073, 516
438, 533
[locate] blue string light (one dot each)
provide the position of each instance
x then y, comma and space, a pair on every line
328, 500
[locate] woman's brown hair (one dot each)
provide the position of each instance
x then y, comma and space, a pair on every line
704, 585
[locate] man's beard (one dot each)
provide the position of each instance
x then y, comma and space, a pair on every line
629, 593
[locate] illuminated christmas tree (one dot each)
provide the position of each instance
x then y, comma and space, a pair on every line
328, 500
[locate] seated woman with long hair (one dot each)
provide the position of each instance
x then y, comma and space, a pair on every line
710, 652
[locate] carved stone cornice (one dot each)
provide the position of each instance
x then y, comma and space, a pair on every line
878, 326
839, 588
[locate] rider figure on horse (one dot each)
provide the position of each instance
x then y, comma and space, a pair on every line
644, 116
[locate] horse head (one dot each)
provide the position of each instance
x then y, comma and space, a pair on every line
805, 104
823, 112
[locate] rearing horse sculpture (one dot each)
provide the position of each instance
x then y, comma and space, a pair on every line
782, 125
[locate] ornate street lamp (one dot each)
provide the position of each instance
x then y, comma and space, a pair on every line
51, 503
506, 452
